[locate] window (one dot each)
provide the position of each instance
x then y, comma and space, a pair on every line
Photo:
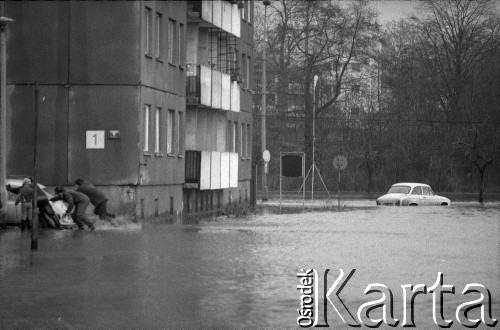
417, 191
242, 140
250, 11
149, 31
244, 72
229, 137
234, 135
159, 36
427, 191
244, 13
173, 42
170, 131
399, 190
182, 52
247, 80
179, 133
249, 140
147, 109
157, 130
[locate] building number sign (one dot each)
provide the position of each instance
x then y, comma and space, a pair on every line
95, 139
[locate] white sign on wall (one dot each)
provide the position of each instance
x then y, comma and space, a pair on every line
95, 139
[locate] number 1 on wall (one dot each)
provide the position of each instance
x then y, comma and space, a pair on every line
95, 139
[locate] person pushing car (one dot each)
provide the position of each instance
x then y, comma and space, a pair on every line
78, 201
97, 198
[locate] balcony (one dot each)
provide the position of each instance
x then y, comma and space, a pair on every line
222, 14
211, 170
212, 88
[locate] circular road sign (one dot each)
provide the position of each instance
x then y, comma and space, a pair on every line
266, 156
340, 162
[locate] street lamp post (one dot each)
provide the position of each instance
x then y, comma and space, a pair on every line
314, 135
3, 109
265, 192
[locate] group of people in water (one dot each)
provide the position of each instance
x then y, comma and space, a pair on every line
78, 201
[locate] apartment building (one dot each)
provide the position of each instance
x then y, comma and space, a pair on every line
149, 100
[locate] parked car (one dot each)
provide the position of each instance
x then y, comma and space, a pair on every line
412, 194
13, 213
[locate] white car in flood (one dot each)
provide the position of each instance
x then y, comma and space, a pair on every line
13, 212
412, 194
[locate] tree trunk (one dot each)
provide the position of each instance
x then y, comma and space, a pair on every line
369, 172
481, 185
482, 169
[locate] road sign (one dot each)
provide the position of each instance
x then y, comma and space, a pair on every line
266, 156
340, 163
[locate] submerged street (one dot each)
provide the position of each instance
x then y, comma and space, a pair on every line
242, 272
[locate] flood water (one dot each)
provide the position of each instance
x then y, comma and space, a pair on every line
242, 272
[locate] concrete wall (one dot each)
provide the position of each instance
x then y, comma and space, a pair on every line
73, 42
162, 168
104, 108
159, 73
159, 201
76, 52
52, 127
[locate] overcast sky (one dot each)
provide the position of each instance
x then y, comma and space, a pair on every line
394, 10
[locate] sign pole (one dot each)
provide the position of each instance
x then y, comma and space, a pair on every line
339, 192
281, 173
266, 157
34, 225
303, 182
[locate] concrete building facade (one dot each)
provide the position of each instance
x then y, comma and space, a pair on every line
112, 83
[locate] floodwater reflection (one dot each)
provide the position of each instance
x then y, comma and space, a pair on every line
241, 272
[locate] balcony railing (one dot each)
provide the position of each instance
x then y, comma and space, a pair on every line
211, 170
222, 14
212, 88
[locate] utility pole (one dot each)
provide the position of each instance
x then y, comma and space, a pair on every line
3, 108
315, 80
265, 192
34, 226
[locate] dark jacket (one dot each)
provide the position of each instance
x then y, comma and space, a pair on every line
96, 196
25, 195
72, 198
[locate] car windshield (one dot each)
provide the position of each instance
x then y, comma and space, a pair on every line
399, 190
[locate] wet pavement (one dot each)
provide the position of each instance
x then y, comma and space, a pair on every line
242, 272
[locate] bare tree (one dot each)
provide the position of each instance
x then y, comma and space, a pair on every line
454, 49
308, 38
458, 40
